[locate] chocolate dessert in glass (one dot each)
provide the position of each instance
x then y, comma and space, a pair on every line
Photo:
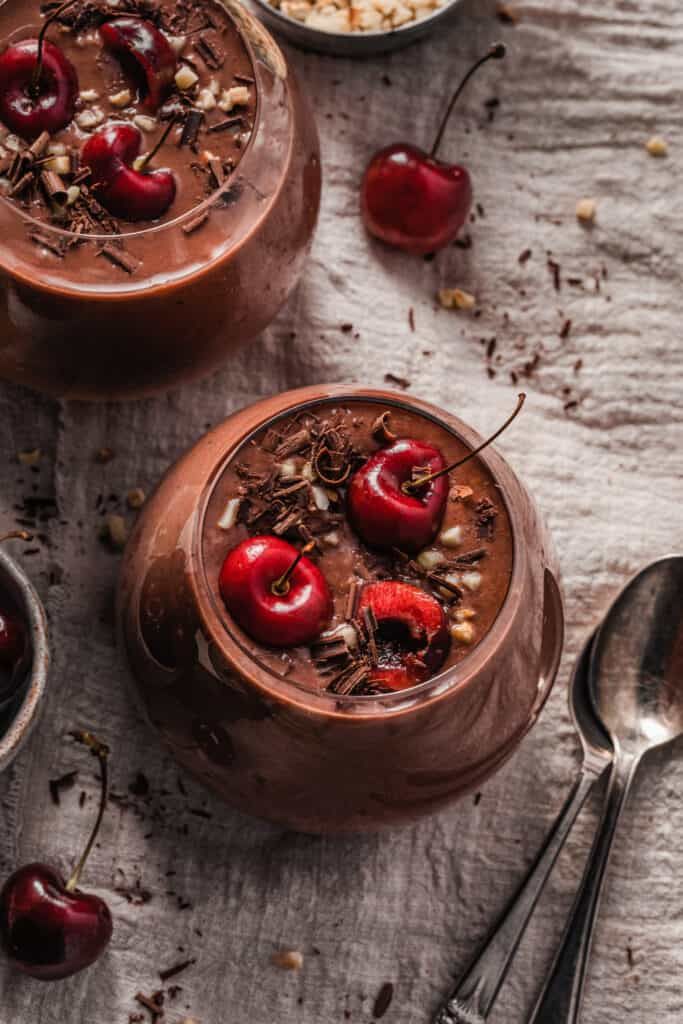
159, 187
330, 625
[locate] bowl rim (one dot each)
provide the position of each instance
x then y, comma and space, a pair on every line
343, 39
26, 714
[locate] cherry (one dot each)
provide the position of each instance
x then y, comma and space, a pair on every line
127, 193
49, 929
396, 499
145, 53
277, 595
382, 513
411, 637
412, 200
38, 88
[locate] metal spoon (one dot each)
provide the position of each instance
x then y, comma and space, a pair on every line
473, 998
636, 684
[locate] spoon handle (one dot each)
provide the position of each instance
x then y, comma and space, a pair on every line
560, 999
471, 1000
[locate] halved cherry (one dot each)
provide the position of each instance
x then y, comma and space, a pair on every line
412, 633
128, 194
145, 55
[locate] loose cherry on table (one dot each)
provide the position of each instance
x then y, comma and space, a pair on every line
38, 85
128, 193
412, 200
397, 498
50, 929
274, 592
146, 54
411, 636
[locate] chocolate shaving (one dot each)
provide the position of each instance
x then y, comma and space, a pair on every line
55, 245
24, 181
54, 187
63, 782
245, 79
486, 513
352, 598
216, 170
380, 429
210, 49
347, 681
120, 258
468, 558
193, 122
39, 145
229, 122
370, 625
293, 444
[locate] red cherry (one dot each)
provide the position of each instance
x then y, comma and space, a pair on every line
276, 594
48, 931
49, 928
412, 200
128, 194
145, 53
12, 640
412, 633
382, 513
49, 106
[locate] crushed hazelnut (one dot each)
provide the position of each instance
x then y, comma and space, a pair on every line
463, 614
586, 210
452, 537
88, 95
456, 298
30, 458
471, 580
463, 632
287, 469
56, 149
429, 558
331, 539
238, 96
657, 146
320, 498
289, 960
145, 123
185, 78
177, 43
229, 517
460, 492
206, 100
89, 119
58, 164
120, 99
135, 498
72, 194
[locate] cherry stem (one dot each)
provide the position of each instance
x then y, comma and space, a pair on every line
34, 88
281, 585
408, 486
497, 52
17, 535
101, 752
162, 139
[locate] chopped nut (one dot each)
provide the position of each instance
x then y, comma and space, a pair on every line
230, 512
121, 99
89, 119
320, 498
657, 146
463, 614
287, 469
29, 458
185, 78
206, 156
215, 87
460, 492
56, 149
290, 960
454, 579
140, 161
206, 100
430, 558
72, 194
178, 43
456, 298
463, 632
586, 210
117, 531
307, 471
145, 123
88, 95
471, 580
58, 164
136, 498
13, 143
238, 96
452, 537
331, 539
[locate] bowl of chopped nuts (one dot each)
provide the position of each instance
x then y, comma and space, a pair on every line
354, 28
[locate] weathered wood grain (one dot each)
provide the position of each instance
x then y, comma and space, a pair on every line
585, 85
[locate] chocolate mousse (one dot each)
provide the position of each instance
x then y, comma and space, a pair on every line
159, 185
14, 649
336, 574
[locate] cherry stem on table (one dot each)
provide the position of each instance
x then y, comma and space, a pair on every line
37, 71
17, 535
161, 140
497, 52
101, 752
281, 585
414, 485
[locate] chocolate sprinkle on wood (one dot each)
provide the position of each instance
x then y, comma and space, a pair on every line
383, 1000
171, 972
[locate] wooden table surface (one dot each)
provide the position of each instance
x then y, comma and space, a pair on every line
586, 84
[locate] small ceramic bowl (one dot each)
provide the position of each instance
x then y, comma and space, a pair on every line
18, 718
351, 44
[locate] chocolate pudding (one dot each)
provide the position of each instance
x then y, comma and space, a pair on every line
271, 486
353, 732
169, 217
